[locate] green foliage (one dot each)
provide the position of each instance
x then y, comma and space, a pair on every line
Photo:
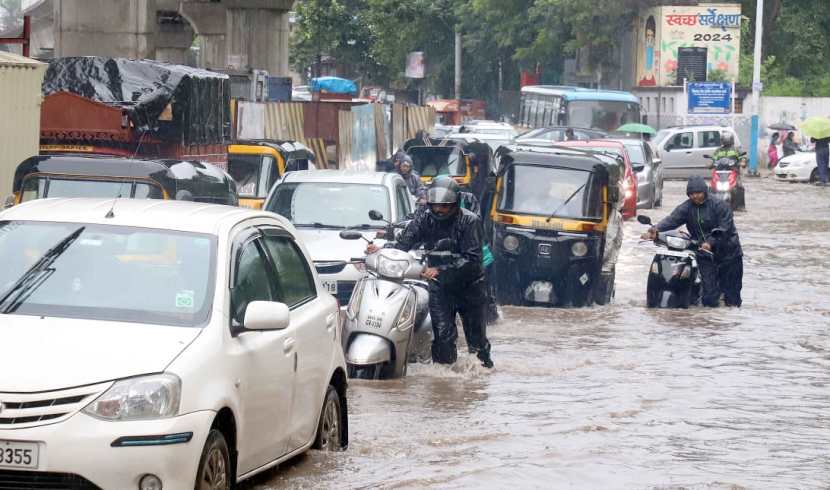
718, 76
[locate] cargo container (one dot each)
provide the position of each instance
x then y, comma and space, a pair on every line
20, 101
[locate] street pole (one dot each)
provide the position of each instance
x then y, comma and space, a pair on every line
458, 65
756, 88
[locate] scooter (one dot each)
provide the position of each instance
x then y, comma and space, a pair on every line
674, 278
726, 183
387, 321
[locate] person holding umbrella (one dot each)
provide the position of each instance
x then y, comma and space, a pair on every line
772, 152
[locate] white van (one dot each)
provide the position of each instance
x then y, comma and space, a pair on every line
682, 148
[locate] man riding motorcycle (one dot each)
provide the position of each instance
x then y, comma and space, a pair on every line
710, 222
457, 286
727, 148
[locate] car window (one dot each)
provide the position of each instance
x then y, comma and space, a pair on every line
402, 196
252, 281
294, 283
708, 139
680, 141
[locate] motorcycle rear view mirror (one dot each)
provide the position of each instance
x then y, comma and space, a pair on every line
376, 215
352, 235
444, 245
643, 219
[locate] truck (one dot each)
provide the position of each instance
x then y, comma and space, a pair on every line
135, 108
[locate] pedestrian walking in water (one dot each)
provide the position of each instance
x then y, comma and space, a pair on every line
822, 157
772, 152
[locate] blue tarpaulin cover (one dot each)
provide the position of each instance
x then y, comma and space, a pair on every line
333, 85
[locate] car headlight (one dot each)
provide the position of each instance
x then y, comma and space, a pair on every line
393, 269
147, 397
579, 249
511, 243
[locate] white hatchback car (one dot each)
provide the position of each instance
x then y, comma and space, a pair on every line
801, 167
324, 202
158, 344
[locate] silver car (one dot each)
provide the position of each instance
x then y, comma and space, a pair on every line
321, 203
682, 148
649, 170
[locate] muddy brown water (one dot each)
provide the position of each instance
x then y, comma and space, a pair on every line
622, 396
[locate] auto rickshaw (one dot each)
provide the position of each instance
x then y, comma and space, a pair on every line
69, 175
256, 165
550, 220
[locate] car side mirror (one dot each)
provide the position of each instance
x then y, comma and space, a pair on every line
351, 235
638, 168
267, 315
643, 219
375, 215
10, 201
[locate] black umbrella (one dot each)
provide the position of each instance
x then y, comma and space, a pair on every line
782, 127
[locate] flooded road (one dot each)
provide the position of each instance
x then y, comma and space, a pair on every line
622, 396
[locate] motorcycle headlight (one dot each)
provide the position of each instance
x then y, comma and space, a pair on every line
393, 269
579, 249
511, 243
723, 186
677, 243
146, 397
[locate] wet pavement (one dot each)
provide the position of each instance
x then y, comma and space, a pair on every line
622, 396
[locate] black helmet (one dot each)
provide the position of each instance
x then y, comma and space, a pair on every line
442, 192
445, 181
726, 139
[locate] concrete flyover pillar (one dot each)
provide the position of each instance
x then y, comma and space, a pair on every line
116, 28
174, 34
241, 34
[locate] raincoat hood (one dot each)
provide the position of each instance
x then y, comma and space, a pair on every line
696, 184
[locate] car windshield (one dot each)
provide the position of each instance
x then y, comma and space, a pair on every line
48, 186
246, 171
112, 273
330, 204
601, 114
532, 189
431, 161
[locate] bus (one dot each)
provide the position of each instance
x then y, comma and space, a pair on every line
553, 105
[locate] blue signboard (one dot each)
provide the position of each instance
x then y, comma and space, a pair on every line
709, 97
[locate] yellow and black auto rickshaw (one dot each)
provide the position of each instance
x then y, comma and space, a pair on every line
256, 165
550, 217
69, 175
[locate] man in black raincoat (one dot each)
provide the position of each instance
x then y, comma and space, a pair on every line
457, 285
710, 222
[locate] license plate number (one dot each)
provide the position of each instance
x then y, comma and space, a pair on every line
15, 454
330, 286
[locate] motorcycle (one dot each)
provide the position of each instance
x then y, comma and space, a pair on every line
387, 322
674, 279
726, 183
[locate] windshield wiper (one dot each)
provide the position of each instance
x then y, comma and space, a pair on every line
317, 224
36, 275
553, 214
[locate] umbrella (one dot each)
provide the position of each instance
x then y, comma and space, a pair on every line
636, 128
817, 127
782, 126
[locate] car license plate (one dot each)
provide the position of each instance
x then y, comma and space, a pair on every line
15, 454
330, 286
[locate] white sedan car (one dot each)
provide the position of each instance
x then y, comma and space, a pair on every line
324, 202
800, 167
160, 344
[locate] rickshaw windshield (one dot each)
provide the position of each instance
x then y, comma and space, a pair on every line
250, 173
433, 161
46, 186
538, 190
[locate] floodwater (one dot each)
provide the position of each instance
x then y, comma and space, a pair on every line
622, 396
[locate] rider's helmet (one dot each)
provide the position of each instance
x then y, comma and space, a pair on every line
727, 140
443, 193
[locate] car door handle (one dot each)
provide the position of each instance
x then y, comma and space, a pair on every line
288, 345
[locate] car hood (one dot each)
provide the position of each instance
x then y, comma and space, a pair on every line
800, 159
42, 354
326, 245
